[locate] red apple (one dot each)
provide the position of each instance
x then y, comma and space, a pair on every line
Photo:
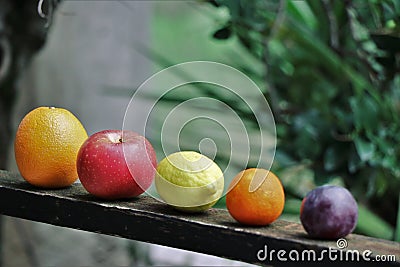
114, 164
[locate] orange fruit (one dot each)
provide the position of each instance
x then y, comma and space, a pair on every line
46, 147
255, 197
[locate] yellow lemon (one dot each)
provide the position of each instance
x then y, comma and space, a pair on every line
189, 181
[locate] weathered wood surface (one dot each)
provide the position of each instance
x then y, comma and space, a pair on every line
145, 219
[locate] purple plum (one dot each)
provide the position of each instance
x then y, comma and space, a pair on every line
329, 212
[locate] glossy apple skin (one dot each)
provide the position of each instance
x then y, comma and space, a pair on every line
115, 164
329, 212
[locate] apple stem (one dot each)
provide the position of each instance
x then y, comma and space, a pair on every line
120, 140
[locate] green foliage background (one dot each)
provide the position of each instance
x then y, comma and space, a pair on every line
330, 71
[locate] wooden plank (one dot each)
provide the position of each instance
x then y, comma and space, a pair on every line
213, 232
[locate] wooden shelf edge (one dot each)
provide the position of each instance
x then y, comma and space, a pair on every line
146, 219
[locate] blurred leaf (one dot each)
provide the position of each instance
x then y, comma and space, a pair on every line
359, 31
371, 225
354, 161
381, 185
291, 211
302, 12
333, 158
365, 149
292, 206
233, 6
365, 112
221, 203
298, 180
283, 160
323, 22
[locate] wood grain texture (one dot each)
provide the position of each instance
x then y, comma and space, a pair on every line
213, 232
